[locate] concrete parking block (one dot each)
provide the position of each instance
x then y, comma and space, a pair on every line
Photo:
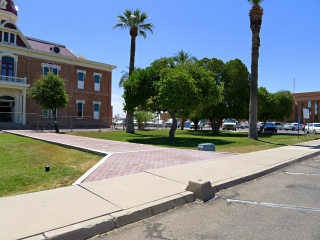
31, 214
133, 190
83, 230
191, 172
135, 214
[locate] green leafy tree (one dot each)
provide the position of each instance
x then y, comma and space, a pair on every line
255, 14
124, 77
49, 92
183, 57
274, 106
184, 88
136, 22
236, 89
142, 117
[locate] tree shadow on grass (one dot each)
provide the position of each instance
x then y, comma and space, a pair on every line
272, 143
182, 142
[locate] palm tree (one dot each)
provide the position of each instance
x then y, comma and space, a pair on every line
255, 14
136, 22
183, 57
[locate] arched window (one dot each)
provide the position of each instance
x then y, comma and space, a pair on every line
7, 66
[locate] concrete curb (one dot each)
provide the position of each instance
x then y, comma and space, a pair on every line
100, 225
231, 183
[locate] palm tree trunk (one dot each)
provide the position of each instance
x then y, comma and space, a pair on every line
253, 106
130, 126
132, 54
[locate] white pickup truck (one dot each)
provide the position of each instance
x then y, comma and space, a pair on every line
229, 124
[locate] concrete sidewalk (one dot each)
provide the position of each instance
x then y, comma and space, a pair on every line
91, 208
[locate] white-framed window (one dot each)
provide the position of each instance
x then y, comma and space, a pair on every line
45, 113
48, 67
97, 77
8, 37
81, 74
80, 104
96, 110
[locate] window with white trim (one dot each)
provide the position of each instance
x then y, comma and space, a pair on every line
97, 77
48, 67
81, 74
80, 108
96, 110
8, 37
45, 113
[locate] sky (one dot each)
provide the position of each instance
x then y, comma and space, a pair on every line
290, 34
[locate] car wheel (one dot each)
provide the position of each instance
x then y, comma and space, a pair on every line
276, 131
293, 129
314, 131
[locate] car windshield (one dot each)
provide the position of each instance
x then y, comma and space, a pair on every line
317, 125
269, 124
229, 121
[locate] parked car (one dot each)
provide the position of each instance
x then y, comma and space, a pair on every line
316, 128
293, 126
169, 122
312, 128
192, 125
238, 125
120, 122
259, 125
270, 127
280, 126
245, 125
229, 124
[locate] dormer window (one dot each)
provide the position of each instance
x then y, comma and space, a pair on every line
55, 49
9, 37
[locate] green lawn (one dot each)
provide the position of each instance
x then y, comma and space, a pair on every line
235, 142
23, 162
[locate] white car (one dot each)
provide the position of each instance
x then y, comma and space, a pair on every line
293, 126
193, 126
313, 127
169, 122
229, 124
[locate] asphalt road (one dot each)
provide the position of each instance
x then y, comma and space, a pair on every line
281, 205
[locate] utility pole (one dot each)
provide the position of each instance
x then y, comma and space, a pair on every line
294, 85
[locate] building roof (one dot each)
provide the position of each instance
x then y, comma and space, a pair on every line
10, 7
46, 46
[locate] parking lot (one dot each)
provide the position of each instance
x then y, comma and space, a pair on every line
282, 205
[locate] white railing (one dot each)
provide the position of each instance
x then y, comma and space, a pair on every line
13, 79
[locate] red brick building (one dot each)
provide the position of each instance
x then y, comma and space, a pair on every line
307, 100
25, 59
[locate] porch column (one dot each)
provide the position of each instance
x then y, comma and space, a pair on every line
20, 108
24, 107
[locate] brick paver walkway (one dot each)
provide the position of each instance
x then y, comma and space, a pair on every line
126, 158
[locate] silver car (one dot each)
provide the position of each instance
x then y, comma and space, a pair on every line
293, 126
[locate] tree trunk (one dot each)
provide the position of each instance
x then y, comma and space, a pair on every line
253, 106
130, 126
173, 127
133, 33
182, 123
213, 127
56, 126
